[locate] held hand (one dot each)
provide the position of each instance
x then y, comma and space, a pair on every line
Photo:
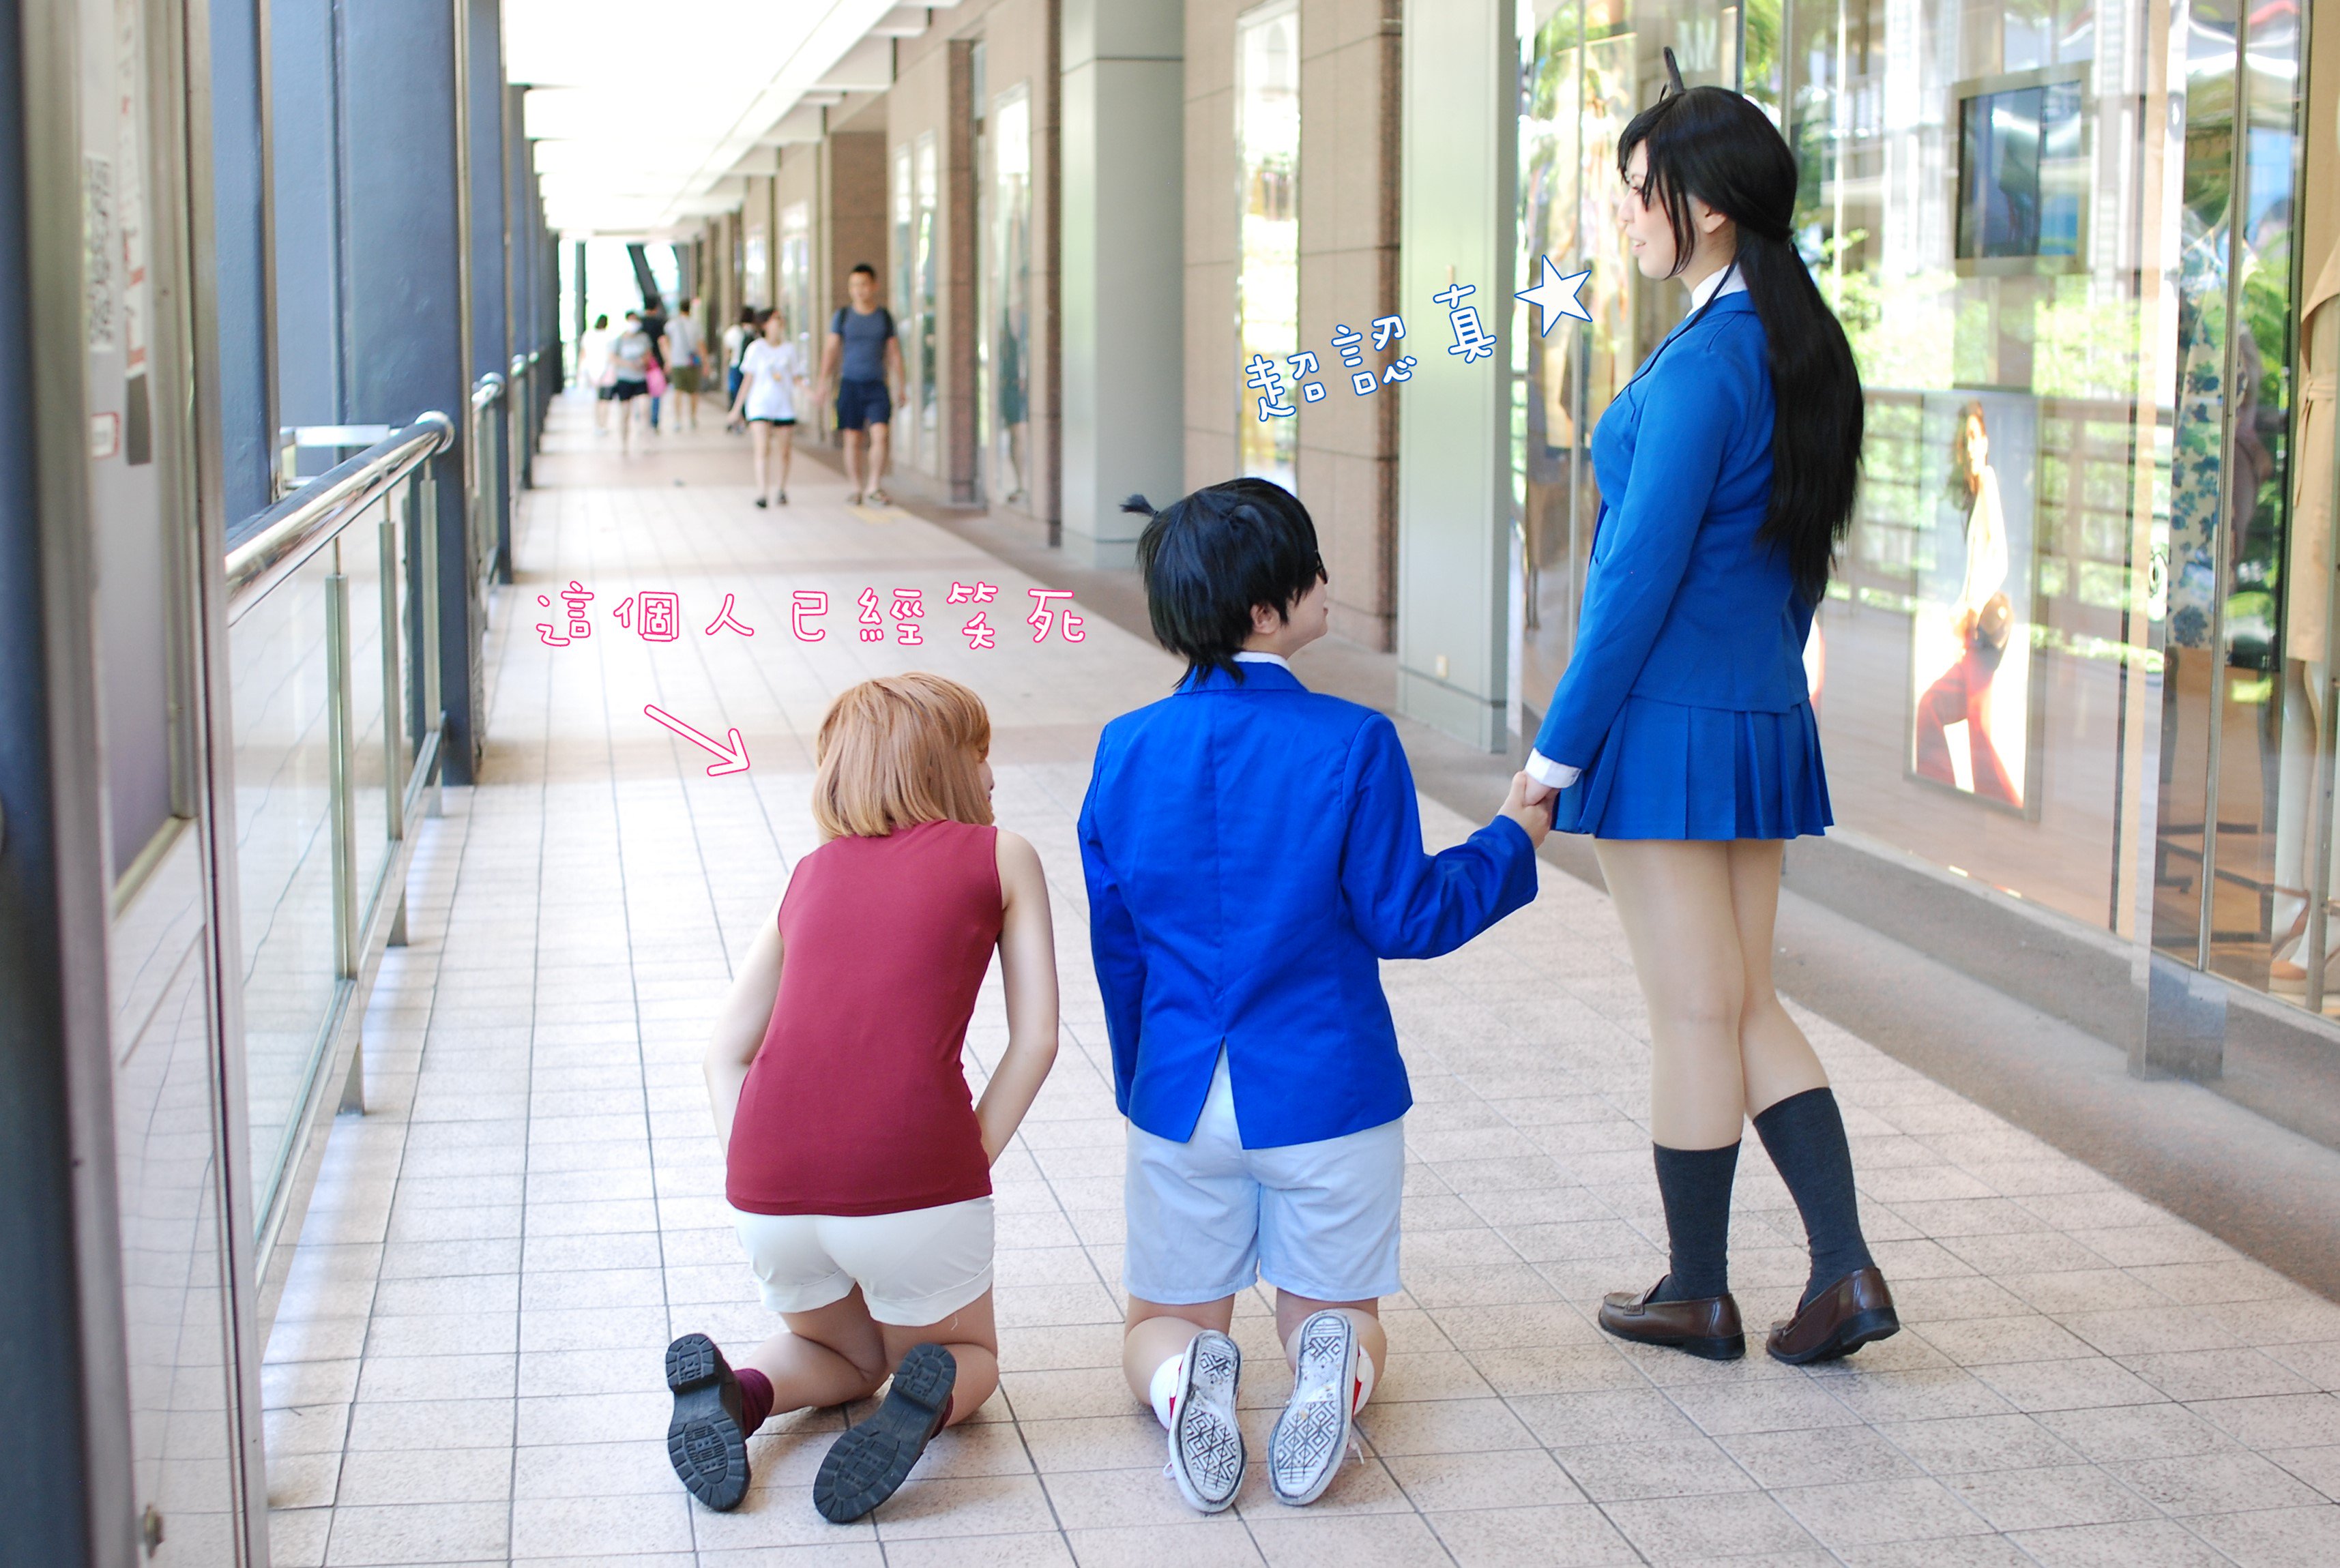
1530, 805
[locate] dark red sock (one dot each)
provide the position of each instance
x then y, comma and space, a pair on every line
755, 1399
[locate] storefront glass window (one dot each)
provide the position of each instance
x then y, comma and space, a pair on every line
905, 430
928, 419
796, 276
1267, 264
1008, 294
2070, 648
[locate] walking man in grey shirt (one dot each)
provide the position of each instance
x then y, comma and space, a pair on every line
864, 356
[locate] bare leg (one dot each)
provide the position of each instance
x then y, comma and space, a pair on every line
1365, 1316
833, 1355
853, 443
1775, 1059
760, 435
880, 436
1154, 1332
972, 1336
787, 436
1675, 900
626, 424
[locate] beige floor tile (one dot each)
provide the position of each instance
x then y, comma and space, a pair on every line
427, 1475
1700, 1529
1308, 1540
1660, 1467
965, 1505
534, 1205
418, 1532
1575, 1535
1872, 1513
2133, 1544
2044, 1498
1191, 1544
575, 1526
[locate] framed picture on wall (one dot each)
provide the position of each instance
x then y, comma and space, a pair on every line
1975, 680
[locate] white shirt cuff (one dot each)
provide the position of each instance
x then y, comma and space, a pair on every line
1545, 771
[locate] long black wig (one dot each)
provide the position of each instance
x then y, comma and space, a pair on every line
1713, 144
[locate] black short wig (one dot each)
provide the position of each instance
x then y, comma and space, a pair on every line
1209, 558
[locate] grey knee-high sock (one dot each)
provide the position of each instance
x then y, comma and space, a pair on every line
1804, 1135
1695, 1184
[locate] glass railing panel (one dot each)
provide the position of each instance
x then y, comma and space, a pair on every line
361, 550
284, 854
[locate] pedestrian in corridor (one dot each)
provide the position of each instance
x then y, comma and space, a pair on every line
864, 356
1682, 735
630, 366
858, 1166
770, 373
1252, 851
684, 354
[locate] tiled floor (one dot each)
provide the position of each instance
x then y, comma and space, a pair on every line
466, 1365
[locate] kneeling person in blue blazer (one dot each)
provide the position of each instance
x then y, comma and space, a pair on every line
1252, 851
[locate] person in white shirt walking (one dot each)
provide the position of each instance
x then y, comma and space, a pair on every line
770, 378
593, 369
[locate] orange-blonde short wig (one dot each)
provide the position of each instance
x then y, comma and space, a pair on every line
897, 751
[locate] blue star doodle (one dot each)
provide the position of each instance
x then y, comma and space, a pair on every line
1556, 296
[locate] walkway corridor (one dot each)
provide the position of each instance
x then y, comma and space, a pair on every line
466, 1365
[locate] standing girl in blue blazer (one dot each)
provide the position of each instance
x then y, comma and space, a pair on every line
1681, 736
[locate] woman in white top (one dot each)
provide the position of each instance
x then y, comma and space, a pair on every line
593, 368
769, 381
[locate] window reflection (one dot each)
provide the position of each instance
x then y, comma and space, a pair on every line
1267, 268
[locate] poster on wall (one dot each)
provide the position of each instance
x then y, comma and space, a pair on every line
1973, 698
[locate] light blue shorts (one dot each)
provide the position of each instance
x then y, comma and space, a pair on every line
1208, 1216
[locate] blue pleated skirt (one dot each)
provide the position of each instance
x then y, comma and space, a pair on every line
1667, 771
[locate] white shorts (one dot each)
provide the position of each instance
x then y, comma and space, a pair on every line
1208, 1216
914, 1268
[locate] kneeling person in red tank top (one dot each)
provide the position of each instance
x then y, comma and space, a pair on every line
859, 1162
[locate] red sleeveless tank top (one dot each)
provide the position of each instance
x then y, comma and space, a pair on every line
857, 1104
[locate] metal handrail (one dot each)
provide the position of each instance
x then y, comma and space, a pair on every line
486, 390
296, 527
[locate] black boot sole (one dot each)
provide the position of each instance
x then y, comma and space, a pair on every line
703, 1440
870, 1461
1860, 1328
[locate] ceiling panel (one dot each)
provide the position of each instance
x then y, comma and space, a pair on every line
640, 114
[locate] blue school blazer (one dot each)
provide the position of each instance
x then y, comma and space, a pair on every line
1252, 851
1682, 603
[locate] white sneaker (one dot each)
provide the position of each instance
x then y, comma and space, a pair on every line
1206, 1445
1312, 1437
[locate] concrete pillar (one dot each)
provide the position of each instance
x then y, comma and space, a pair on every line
305, 174
238, 259
1454, 491
519, 230
403, 322
1122, 251
1350, 141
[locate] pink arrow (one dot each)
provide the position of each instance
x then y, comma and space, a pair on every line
734, 756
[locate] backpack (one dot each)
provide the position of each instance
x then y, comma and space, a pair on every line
836, 323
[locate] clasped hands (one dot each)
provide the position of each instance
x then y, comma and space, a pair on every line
1529, 805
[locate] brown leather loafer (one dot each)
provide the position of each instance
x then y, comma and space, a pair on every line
1836, 1322
1708, 1327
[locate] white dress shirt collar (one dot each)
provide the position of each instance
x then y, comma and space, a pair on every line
1248, 658
1729, 281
